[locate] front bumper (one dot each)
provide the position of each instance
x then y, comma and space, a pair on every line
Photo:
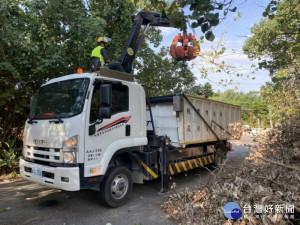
56, 177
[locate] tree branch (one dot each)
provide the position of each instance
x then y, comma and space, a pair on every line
277, 163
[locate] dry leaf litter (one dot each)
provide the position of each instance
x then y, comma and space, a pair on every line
270, 175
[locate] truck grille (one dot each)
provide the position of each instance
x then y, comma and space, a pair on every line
43, 154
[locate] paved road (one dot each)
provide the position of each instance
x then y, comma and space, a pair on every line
23, 202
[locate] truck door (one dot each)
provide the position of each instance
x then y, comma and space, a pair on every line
110, 131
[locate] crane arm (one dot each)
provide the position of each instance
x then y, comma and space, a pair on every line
135, 37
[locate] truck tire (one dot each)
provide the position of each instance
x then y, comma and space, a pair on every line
116, 187
218, 157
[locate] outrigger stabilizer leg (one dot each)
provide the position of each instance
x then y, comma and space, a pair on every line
164, 149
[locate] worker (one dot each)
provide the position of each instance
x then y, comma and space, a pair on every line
100, 56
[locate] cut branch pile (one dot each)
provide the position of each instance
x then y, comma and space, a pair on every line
269, 176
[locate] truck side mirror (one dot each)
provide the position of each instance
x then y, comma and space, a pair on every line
105, 95
105, 101
92, 129
105, 112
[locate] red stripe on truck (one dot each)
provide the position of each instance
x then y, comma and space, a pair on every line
121, 120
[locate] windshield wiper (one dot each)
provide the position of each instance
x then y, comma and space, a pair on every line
32, 120
59, 120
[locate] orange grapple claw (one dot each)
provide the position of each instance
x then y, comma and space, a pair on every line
185, 52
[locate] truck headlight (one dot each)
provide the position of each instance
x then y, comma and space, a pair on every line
71, 144
69, 157
70, 148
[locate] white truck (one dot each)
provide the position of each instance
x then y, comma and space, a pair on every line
95, 129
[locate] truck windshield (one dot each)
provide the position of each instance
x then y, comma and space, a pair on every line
59, 100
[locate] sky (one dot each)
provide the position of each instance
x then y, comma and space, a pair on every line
233, 34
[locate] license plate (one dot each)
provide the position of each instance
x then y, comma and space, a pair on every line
37, 172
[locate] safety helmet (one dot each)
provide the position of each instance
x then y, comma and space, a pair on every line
103, 39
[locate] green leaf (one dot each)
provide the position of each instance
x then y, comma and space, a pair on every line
214, 22
209, 36
194, 25
233, 10
220, 7
205, 27
221, 52
201, 20
216, 16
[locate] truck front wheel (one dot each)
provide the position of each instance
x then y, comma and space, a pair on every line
117, 186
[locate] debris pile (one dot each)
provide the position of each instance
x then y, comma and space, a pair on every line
265, 185
236, 130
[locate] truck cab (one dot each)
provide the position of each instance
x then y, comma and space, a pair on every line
66, 139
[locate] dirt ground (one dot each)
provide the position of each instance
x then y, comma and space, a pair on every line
23, 202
